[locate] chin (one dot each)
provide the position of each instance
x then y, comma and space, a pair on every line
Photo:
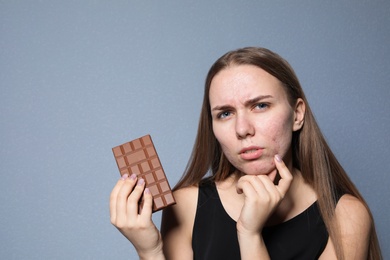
267, 171
270, 171
260, 169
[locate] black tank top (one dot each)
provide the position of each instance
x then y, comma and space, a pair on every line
215, 235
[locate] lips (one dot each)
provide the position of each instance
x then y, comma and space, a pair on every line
251, 153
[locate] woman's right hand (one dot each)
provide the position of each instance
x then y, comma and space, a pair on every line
137, 227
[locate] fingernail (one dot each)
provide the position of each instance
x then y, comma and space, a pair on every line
147, 191
141, 182
124, 176
278, 158
133, 176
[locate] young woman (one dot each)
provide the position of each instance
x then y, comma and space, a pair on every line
261, 183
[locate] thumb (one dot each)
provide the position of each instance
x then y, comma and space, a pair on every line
285, 175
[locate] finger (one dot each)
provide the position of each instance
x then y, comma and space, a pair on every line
148, 203
113, 197
266, 189
122, 197
285, 175
247, 185
134, 199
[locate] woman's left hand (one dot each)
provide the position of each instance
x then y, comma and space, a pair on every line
262, 197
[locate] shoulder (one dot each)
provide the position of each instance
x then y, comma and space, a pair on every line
186, 194
354, 222
185, 207
352, 213
177, 222
186, 200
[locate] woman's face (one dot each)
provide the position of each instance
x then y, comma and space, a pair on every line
252, 118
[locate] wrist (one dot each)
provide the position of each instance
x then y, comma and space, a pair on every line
250, 238
252, 246
156, 254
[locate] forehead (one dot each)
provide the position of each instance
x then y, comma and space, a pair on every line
242, 82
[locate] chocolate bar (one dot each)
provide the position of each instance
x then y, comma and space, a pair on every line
139, 156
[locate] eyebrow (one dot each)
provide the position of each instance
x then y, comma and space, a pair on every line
249, 102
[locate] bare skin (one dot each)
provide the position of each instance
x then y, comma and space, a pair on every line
253, 122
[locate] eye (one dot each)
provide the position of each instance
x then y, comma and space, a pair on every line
223, 114
261, 106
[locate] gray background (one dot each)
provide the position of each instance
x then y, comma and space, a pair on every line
79, 77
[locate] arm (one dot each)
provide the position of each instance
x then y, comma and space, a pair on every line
262, 197
177, 222
355, 223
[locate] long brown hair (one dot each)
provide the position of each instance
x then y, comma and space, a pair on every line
310, 151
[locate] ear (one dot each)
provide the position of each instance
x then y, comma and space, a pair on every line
299, 114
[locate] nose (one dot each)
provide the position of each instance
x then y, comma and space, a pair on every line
244, 127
